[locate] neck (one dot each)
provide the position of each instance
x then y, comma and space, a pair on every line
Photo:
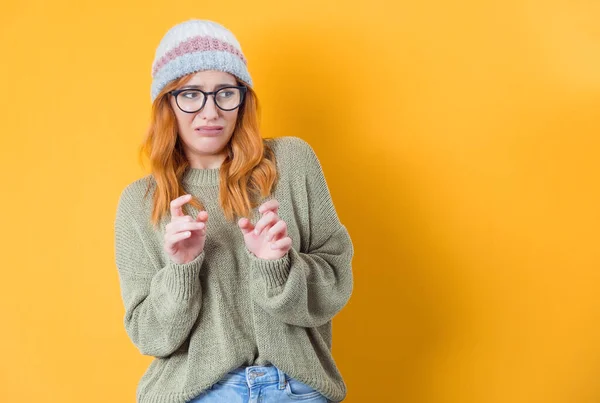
206, 161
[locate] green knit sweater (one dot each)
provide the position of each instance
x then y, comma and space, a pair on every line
227, 307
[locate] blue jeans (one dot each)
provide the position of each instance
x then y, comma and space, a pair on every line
259, 384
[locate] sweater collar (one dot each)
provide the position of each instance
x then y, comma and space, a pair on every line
198, 176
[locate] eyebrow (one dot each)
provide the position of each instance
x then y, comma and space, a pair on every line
201, 87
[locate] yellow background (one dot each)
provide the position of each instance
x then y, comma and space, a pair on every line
460, 141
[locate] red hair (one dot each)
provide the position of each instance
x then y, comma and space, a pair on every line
249, 170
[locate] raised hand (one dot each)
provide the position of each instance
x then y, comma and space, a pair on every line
268, 238
184, 235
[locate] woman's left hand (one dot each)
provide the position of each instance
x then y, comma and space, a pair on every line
268, 239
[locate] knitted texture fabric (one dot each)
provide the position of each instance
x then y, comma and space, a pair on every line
197, 45
228, 308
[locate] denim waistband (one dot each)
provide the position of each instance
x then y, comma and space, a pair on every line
254, 375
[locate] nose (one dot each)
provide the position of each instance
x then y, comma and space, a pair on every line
210, 110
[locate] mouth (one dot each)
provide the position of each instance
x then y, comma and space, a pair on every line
209, 130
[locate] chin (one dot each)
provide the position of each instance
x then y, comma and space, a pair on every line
211, 149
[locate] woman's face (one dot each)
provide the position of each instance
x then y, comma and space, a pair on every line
206, 133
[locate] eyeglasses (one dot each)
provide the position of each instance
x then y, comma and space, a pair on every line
191, 100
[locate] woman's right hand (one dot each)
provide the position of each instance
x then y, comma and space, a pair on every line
185, 236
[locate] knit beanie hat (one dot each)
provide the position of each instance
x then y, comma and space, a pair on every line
196, 45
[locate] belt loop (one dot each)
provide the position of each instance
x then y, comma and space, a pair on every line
281, 376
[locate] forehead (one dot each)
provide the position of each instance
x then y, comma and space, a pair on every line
209, 78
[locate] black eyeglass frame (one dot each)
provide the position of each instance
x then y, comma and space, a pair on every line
242, 89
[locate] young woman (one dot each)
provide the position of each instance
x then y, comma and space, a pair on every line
232, 260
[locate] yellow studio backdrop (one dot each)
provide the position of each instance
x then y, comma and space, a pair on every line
460, 141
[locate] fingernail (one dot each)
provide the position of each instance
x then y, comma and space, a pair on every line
255, 232
273, 246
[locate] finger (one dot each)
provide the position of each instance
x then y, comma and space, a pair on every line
171, 240
268, 219
177, 204
284, 243
277, 231
270, 205
245, 225
169, 227
202, 216
186, 226
184, 218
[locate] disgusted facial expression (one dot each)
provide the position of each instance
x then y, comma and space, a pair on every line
205, 133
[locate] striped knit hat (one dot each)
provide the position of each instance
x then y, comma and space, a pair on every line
196, 45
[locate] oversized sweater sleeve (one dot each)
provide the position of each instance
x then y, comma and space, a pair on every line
161, 303
308, 289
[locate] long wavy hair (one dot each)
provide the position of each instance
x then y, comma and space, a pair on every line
248, 172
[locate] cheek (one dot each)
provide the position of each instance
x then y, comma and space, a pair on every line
231, 118
184, 120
